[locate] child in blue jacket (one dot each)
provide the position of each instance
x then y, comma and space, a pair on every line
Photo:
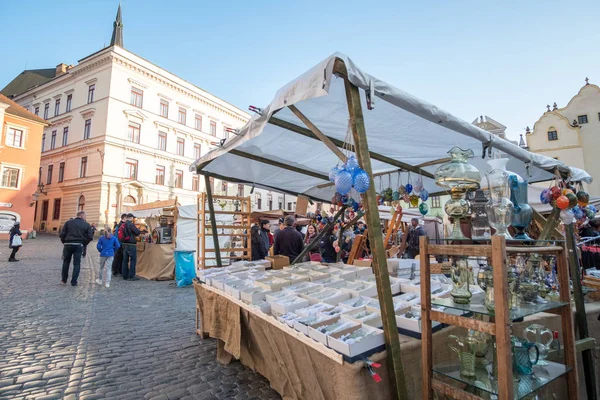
107, 245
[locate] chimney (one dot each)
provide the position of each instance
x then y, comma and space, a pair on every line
61, 69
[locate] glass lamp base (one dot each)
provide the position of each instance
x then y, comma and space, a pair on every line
457, 232
521, 235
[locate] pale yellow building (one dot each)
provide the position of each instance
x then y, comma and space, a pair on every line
572, 134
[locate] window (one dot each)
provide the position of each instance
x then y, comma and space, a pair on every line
46, 110
195, 184
258, 201
53, 140
37, 111
180, 146
213, 128
198, 122
65, 139
178, 178
160, 175
83, 167
240, 192
133, 132
582, 119
14, 137
69, 101
270, 201
131, 168
61, 172
164, 108
224, 187
552, 135
91, 90
81, 203
197, 150
43, 142
10, 177
49, 176
57, 107
87, 130
162, 141
181, 116
56, 210
435, 202
128, 204
137, 96
289, 206
280, 203
45, 204
225, 133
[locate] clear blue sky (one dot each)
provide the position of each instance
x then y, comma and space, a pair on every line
504, 59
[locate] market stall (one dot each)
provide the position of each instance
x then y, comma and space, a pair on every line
368, 127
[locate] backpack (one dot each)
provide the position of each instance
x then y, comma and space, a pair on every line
123, 234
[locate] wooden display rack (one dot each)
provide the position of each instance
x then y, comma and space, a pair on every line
500, 324
205, 207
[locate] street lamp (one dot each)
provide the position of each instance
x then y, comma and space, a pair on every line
40, 188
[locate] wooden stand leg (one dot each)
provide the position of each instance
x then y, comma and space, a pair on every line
199, 331
426, 339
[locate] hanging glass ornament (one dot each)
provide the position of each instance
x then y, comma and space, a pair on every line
578, 212
356, 206
546, 196
343, 182
333, 173
418, 185
583, 198
424, 194
351, 164
344, 199
392, 210
361, 181
395, 195
423, 208
402, 190
414, 200
572, 199
555, 193
409, 188
562, 202
566, 216
406, 198
592, 208
566, 191
319, 217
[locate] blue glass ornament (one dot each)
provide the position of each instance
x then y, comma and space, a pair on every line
578, 212
424, 195
361, 181
423, 208
333, 173
351, 164
409, 188
592, 208
395, 195
589, 213
355, 206
545, 196
344, 199
343, 182
319, 218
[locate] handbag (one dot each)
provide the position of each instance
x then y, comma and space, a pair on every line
17, 241
315, 257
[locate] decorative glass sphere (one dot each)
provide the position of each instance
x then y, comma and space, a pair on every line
566, 216
333, 173
572, 199
361, 180
402, 190
414, 200
545, 196
406, 198
583, 198
409, 188
423, 208
343, 182
351, 164
418, 186
424, 195
578, 212
590, 213
562, 202
395, 195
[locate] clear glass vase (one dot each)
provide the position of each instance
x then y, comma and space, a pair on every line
499, 208
460, 277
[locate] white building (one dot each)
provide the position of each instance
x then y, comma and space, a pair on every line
122, 132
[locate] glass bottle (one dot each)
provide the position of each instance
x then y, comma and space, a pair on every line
460, 277
490, 302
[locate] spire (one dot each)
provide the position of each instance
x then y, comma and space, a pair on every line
117, 35
522, 142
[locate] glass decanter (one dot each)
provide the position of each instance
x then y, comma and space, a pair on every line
542, 337
499, 208
460, 277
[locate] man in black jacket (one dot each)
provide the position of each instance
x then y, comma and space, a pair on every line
128, 244
117, 264
288, 241
75, 234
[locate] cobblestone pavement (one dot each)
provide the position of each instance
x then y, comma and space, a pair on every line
134, 340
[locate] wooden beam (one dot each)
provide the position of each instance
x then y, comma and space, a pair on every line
382, 278
539, 218
463, 322
213, 221
433, 162
550, 225
319, 236
313, 128
375, 156
426, 317
279, 164
474, 250
452, 392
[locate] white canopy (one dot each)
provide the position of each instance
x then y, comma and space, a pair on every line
275, 150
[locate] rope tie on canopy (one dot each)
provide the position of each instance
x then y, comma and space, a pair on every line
487, 146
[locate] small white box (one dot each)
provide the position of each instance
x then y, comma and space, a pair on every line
362, 271
372, 340
412, 324
298, 278
220, 283
276, 295
313, 309
331, 282
317, 276
345, 273
262, 306
234, 289
364, 316
329, 296
287, 304
320, 330
302, 287
252, 294
357, 302
288, 319
302, 324
272, 284
360, 288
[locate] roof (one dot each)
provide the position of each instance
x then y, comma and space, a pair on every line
19, 111
28, 79
275, 149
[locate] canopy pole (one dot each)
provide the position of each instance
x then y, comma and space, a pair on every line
319, 236
396, 369
338, 256
213, 220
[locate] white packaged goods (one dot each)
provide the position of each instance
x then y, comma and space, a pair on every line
302, 287
262, 306
276, 295
394, 283
329, 296
297, 278
317, 276
302, 324
272, 284
348, 274
363, 271
360, 288
288, 318
360, 340
399, 305
313, 309
334, 312
321, 330
411, 320
364, 316
331, 282
219, 282
357, 302
252, 294
287, 304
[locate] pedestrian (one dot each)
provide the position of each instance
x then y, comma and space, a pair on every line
360, 228
14, 242
288, 241
127, 236
107, 245
117, 263
75, 234
412, 240
259, 252
264, 232
328, 245
314, 254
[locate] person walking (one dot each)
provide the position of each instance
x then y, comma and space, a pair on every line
328, 245
265, 231
14, 242
412, 240
258, 247
75, 234
117, 263
107, 246
288, 241
127, 235
313, 253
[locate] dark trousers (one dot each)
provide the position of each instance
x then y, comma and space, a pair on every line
129, 260
117, 264
14, 252
71, 251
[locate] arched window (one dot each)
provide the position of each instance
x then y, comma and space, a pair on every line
258, 201
128, 204
81, 203
552, 133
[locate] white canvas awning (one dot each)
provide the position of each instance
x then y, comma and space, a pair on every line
275, 149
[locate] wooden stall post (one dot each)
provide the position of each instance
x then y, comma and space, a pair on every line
213, 220
376, 239
426, 338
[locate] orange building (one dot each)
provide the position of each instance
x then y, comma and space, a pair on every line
20, 152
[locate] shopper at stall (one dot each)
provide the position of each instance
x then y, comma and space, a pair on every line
107, 246
328, 245
75, 234
314, 253
117, 263
360, 228
127, 236
259, 252
14, 241
264, 232
288, 241
412, 240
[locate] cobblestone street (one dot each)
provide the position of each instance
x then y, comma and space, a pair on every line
134, 340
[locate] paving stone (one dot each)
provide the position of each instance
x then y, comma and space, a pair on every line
56, 373
6, 382
28, 377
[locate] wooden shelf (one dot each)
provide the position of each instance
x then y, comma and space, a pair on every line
227, 250
229, 234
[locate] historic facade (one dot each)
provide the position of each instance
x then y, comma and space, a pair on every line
122, 131
572, 134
